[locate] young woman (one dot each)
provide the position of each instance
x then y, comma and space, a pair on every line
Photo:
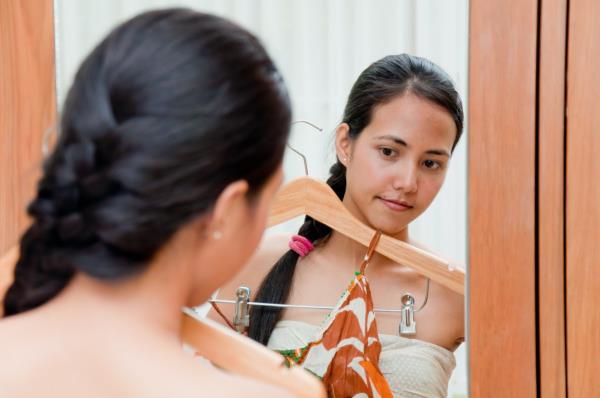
170, 150
401, 124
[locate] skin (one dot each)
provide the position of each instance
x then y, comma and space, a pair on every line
402, 155
122, 338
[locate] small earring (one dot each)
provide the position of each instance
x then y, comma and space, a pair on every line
216, 235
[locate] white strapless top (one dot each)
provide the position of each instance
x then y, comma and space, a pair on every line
413, 368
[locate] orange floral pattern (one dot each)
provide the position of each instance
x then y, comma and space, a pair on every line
345, 353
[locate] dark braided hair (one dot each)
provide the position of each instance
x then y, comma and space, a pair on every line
381, 82
165, 112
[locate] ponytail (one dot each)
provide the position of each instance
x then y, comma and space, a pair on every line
276, 286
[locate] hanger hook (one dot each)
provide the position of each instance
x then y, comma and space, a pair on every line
298, 152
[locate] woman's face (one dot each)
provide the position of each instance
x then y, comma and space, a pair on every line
397, 165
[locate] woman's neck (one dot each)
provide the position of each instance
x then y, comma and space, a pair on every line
148, 303
343, 248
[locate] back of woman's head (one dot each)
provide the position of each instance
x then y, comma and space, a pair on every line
381, 82
168, 110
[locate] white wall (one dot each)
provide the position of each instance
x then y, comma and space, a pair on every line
321, 47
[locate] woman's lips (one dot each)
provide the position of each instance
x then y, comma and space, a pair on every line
396, 205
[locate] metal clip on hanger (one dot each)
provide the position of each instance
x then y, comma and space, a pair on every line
407, 316
241, 318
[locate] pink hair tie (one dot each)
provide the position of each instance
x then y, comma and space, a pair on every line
301, 245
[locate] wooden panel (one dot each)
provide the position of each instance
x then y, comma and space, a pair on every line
502, 118
583, 200
551, 135
27, 104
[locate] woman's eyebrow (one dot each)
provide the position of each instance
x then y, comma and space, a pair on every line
440, 152
394, 138
400, 141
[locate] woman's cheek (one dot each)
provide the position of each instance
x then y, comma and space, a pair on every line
431, 189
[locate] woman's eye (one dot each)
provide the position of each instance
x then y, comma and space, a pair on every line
432, 164
387, 152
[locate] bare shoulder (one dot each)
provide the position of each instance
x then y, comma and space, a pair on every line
28, 353
9, 347
268, 252
453, 303
454, 299
239, 386
251, 275
19, 335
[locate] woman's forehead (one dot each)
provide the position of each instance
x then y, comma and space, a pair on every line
411, 120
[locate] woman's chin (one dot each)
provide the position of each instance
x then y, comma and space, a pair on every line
388, 227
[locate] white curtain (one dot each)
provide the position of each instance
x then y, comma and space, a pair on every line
321, 46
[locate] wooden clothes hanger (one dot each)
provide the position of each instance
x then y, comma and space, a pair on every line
221, 346
312, 197
240, 355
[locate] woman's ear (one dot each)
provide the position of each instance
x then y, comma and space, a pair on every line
229, 210
343, 143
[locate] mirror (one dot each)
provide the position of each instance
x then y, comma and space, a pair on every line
321, 47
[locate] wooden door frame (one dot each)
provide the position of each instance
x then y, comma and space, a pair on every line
518, 56
582, 200
27, 110
502, 197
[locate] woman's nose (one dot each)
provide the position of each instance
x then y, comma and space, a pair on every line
406, 178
